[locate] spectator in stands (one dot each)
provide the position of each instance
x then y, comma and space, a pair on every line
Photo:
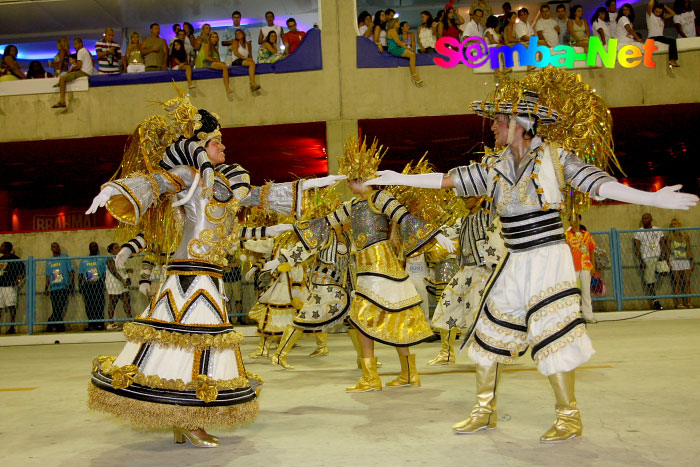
398, 48
379, 34
407, 36
474, 28
91, 281
233, 288
229, 37
81, 66
269, 52
190, 41
491, 34
547, 28
562, 20
578, 28
117, 283
365, 26
582, 249
213, 60
109, 53
510, 37
611, 6
242, 50
624, 30
133, 60
656, 16
265, 31
483, 6
36, 71
179, 59
426, 33
680, 256
502, 23
647, 247
155, 50
176, 29
523, 29
11, 276
293, 38
9, 69
61, 63
601, 25
201, 44
389, 15
436, 23
449, 27
684, 20
60, 277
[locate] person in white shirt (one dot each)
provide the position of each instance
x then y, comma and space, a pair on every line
655, 25
647, 250
624, 30
229, 38
82, 65
492, 37
601, 25
523, 29
271, 26
547, 27
426, 33
579, 30
474, 28
611, 5
562, 19
684, 19
365, 26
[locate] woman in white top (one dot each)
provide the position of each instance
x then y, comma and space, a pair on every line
601, 25
380, 30
578, 27
426, 33
656, 17
625, 33
684, 19
241, 49
490, 35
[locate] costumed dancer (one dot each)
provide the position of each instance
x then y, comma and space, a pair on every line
531, 299
385, 306
182, 366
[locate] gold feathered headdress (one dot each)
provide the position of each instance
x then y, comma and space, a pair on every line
359, 161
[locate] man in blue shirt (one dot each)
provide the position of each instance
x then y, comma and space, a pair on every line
59, 284
91, 277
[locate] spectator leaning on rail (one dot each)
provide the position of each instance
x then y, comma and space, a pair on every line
365, 26
109, 53
59, 285
547, 28
243, 51
9, 69
474, 28
11, 275
407, 36
91, 279
61, 63
601, 25
578, 27
647, 250
133, 59
155, 50
684, 19
398, 48
271, 26
680, 257
656, 16
36, 71
81, 66
117, 283
179, 59
229, 38
611, 6
426, 33
293, 38
562, 19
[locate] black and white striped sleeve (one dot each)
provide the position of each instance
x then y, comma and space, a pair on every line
469, 180
585, 178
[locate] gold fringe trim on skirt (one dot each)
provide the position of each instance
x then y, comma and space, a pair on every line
142, 333
152, 415
407, 327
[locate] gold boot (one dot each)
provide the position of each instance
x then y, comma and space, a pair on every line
409, 372
289, 338
370, 379
321, 345
352, 334
181, 435
483, 414
447, 352
568, 423
260, 351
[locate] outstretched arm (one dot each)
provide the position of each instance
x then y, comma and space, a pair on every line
667, 198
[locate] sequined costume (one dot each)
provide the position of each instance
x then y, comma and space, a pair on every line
386, 305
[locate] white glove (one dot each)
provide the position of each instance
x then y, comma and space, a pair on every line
250, 274
389, 177
122, 256
667, 198
101, 199
271, 265
321, 182
275, 230
445, 242
145, 288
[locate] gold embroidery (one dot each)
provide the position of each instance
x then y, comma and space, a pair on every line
141, 333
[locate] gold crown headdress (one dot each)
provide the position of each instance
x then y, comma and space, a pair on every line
359, 161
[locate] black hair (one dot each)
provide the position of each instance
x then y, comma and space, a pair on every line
7, 50
73, 56
8, 246
153, 24
599, 11
188, 24
679, 7
179, 55
236, 32
402, 23
492, 22
507, 18
362, 17
174, 25
31, 73
478, 9
110, 246
545, 6
389, 10
428, 23
438, 15
561, 5
269, 13
608, 2
631, 15
267, 38
506, 4
572, 11
523, 10
378, 19
236, 13
446, 20
208, 121
290, 19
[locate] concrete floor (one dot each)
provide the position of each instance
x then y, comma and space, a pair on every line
639, 399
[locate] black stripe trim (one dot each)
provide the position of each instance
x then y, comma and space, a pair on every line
187, 328
557, 335
377, 274
481, 176
204, 362
551, 299
388, 310
604, 175
533, 232
586, 177
534, 243
394, 211
471, 178
496, 350
423, 243
138, 359
206, 166
402, 216
579, 172
461, 179
502, 323
520, 228
130, 247
530, 215
382, 341
235, 186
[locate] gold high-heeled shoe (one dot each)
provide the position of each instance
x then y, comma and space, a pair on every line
181, 435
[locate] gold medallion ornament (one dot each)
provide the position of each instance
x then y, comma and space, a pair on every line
359, 161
